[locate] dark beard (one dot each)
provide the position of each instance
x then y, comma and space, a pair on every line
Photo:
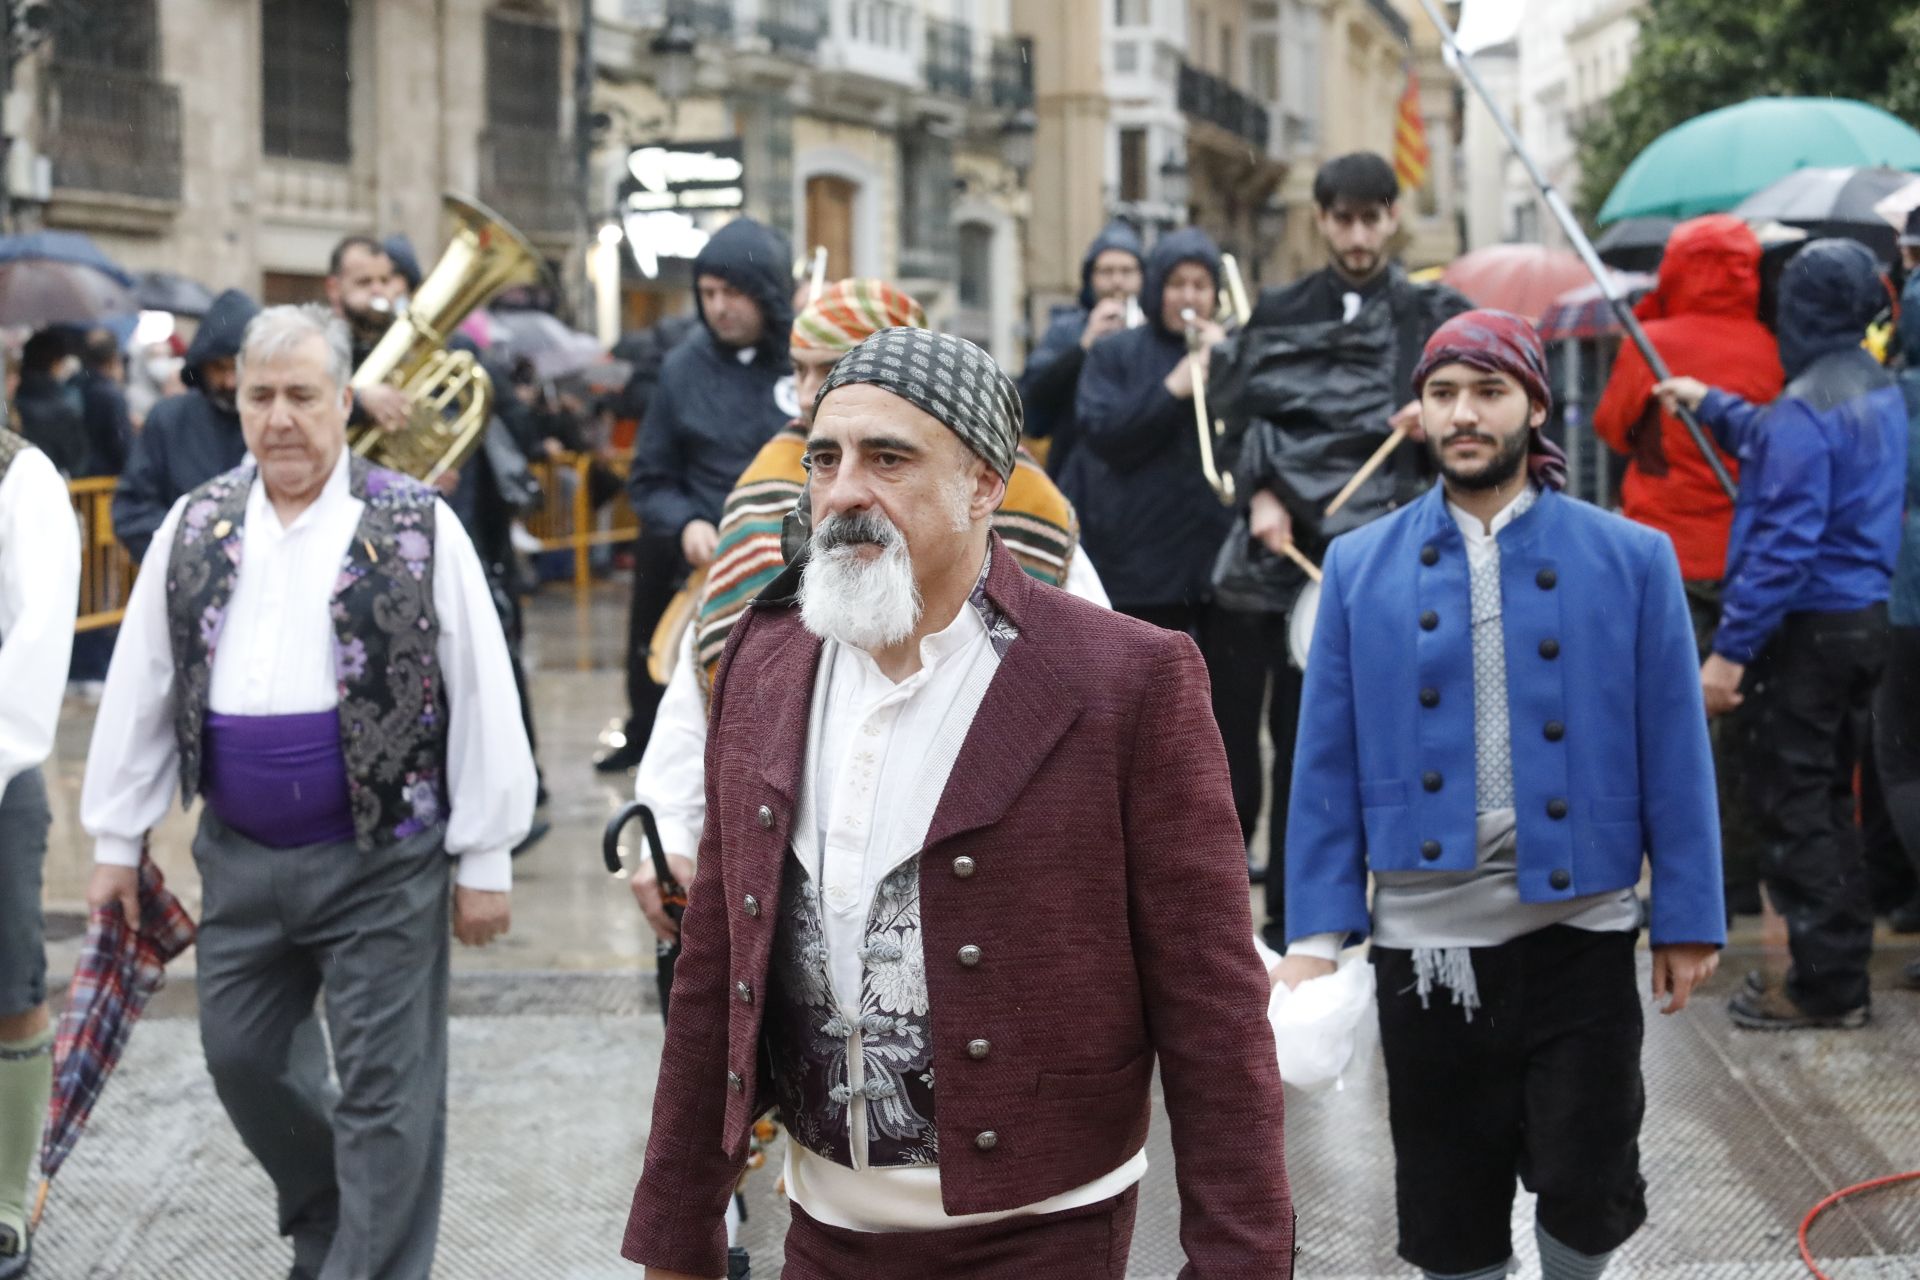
1505, 465
369, 326
225, 401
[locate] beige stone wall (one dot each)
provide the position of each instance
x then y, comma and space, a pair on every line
418, 110
1069, 178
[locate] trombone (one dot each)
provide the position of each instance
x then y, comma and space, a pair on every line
1220, 482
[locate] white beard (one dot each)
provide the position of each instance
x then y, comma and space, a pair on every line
870, 605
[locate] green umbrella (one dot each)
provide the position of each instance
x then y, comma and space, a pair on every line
1714, 161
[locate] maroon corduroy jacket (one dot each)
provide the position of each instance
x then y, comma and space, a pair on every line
1107, 895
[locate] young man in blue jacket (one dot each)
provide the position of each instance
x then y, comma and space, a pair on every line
1803, 628
1503, 724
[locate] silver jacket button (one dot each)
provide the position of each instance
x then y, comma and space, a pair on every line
969, 955
977, 1049
745, 991
963, 866
766, 818
735, 1083
986, 1140
751, 905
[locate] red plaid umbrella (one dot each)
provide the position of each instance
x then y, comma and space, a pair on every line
119, 969
1586, 313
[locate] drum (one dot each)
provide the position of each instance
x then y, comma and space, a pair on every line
664, 653
1305, 612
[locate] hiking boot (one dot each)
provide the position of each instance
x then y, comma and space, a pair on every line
1774, 1010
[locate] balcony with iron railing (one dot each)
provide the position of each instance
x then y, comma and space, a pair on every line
112, 132
1205, 96
949, 58
1012, 73
793, 27
527, 174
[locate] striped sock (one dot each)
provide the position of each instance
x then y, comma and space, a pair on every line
1563, 1262
26, 1079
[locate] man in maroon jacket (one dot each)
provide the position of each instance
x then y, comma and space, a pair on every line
962, 827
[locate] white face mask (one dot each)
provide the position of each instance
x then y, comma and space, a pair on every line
868, 604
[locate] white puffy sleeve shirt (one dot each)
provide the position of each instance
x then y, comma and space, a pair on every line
39, 592
276, 658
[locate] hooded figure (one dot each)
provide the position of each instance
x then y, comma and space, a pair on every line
1048, 384
190, 438
1803, 634
1147, 515
1704, 319
716, 404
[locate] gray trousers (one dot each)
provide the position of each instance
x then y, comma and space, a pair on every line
357, 1168
24, 819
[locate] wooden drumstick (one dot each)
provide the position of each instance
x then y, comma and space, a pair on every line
1367, 469
1299, 557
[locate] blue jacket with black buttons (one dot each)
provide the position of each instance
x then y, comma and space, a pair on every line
1611, 766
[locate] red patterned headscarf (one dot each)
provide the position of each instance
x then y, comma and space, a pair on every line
1500, 342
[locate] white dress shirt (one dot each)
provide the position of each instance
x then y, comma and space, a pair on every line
879, 755
672, 779
275, 657
39, 592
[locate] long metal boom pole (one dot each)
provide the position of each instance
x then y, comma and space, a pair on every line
1557, 206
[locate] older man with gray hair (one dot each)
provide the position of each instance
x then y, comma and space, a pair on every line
311, 648
970, 868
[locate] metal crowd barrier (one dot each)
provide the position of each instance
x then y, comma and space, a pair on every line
565, 519
106, 570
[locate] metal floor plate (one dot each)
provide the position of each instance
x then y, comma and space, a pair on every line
551, 1090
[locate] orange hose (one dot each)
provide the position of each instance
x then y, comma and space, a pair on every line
1806, 1223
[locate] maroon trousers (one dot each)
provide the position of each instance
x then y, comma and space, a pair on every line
1089, 1243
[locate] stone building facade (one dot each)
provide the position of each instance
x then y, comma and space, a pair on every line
235, 141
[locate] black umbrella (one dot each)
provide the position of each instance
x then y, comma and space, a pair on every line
672, 893
165, 291
1830, 202
1635, 244
59, 277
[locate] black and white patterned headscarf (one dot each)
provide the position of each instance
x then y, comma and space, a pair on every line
947, 376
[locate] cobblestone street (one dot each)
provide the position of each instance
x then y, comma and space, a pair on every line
556, 1044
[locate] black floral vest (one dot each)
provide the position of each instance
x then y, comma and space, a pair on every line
11, 446
393, 709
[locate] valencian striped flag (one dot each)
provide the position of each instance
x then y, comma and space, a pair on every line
1410, 138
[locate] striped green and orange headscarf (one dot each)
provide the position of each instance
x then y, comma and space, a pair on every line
848, 312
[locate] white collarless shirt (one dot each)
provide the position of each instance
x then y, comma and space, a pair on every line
275, 657
39, 593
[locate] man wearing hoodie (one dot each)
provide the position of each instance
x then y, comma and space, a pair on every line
1109, 280
723, 392
190, 438
1148, 517
1704, 319
1803, 624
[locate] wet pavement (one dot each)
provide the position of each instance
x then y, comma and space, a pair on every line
556, 1042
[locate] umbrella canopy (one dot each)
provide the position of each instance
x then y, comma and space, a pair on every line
1831, 202
1635, 244
1586, 313
1714, 161
59, 277
165, 291
1521, 278
556, 351
120, 968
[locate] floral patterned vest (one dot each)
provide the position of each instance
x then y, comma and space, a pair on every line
11, 447
393, 712
811, 1047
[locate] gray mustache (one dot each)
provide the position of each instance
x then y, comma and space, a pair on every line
868, 528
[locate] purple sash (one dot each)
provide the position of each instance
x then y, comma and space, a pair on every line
278, 780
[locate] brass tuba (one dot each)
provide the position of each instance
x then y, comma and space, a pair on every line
452, 395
